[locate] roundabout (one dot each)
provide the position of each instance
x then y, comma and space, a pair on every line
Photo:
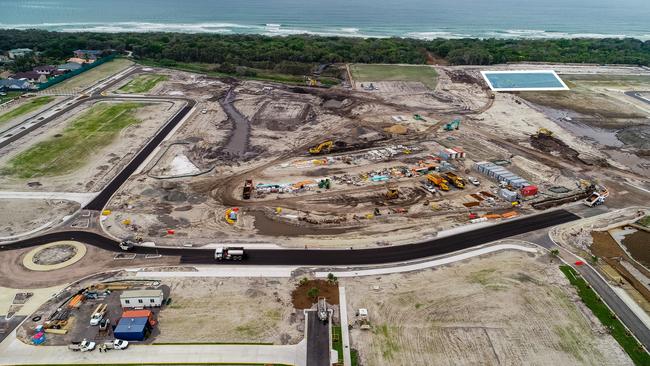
52, 256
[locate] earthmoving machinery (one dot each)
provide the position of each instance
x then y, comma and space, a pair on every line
456, 180
544, 132
597, 196
327, 147
229, 253
324, 183
418, 117
439, 181
248, 189
453, 125
127, 245
392, 192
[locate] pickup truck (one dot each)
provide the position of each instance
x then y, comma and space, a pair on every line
83, 346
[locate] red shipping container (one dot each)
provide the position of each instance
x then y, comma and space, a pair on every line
529, 190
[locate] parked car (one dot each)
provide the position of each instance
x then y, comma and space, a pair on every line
474, 181
120, 344
83, 346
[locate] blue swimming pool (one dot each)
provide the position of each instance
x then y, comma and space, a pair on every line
523, 80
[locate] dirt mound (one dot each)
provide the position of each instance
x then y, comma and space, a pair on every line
551, 144
301, 300
636, 136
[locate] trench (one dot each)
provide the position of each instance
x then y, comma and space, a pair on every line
238, 141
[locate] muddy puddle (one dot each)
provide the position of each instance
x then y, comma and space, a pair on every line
637, 244
639, 165
270, 227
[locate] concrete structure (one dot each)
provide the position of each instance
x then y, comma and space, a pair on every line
141, 299
19, 52
69, 66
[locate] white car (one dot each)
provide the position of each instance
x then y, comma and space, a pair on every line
120, 344
96, 318
86, 346
474, 181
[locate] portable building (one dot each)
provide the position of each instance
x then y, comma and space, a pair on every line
508, 195
140, 314
131, 329
141, 298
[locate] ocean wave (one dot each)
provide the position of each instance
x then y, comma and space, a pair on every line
277, 29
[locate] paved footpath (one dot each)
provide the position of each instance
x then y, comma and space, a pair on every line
15, 352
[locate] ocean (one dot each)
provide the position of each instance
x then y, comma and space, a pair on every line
424, 19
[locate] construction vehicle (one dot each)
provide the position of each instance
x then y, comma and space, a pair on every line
327, 147
98, 314
597, 196
453, 125
322, 310
392, 192
418, 117
127, 245
438, 181
324, 183
83, 346
544, 132
363, 319
248, 189
457, 181
229, 253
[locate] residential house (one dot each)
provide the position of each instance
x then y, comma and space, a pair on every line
70, 66
19, 52
90, 55
12, 84
46, 70
31, 76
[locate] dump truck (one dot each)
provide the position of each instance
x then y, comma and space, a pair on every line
392, 192
597, 197
248, 189
229, 253
439, 181
457, 181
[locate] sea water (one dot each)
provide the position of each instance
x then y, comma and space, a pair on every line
424, 19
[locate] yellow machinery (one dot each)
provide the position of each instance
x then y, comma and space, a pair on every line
392, 192
457, 181
325, 145
545, 132
439, 181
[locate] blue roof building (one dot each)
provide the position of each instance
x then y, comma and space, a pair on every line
131, 329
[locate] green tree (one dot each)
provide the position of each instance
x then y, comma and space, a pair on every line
313, 292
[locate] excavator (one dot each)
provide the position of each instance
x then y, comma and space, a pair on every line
327, 146
439, 181
453, 125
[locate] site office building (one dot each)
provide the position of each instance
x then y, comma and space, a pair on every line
138, 299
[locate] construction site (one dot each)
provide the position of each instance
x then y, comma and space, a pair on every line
296, 166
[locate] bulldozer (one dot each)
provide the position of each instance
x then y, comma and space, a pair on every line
453, 125
392, 192
544, 132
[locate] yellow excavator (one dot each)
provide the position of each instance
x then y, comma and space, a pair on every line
323, 147
392, 192
544, 132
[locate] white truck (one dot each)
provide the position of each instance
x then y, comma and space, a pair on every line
83, 346
98, 314
597, 197
229, 253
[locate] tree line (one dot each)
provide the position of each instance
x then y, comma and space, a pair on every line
265, 52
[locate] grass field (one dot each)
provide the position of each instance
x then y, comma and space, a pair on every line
29, 106
369, 72
89, 132
10, 95
92, 76
609, 320
142, 83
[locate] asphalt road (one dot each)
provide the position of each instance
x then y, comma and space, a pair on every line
637, 95
315, 257
318, 341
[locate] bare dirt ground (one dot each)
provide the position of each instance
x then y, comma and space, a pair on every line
17, 103
506, 308
17, 215
102, 164
283, 122
247, 310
